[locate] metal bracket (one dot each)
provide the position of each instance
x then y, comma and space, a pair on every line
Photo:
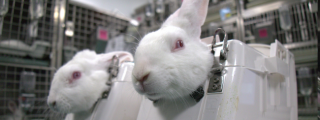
223, 52
113, 69
216, 82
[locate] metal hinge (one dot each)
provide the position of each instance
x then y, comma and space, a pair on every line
216, 80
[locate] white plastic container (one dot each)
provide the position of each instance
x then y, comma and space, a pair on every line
255, 86
123, 102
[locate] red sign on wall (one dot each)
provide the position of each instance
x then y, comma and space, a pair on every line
102, 34
263, 33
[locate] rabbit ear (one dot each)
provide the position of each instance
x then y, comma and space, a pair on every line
122, 55
85, 54
172, 18
190, 16
12, 106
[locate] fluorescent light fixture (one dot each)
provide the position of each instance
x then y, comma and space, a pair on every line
134, 22
69, 33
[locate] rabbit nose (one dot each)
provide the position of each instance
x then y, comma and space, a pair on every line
144, 78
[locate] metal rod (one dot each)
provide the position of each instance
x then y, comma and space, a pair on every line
27, 66
55, 33
61, 31
240, 26
74, 23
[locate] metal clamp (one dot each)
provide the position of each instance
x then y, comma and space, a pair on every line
223, 52
216, 82
113, 69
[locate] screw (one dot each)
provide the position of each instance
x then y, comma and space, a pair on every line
216, 79
214, 86
105, 94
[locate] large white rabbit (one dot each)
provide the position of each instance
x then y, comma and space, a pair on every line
78, 84
172, 62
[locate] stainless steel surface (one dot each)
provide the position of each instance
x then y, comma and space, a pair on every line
224, 51
4, 4
216, 84
53, 55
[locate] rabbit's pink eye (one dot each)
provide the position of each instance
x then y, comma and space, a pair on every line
76, 75
179, 45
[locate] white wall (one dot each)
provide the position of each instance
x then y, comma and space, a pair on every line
121, 7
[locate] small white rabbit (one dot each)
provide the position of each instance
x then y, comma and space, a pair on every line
172, 62
18, 114
78, 84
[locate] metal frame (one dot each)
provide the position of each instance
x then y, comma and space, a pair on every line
61, 21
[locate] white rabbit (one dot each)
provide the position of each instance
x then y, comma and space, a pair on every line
172, 62
18, 114
78, 84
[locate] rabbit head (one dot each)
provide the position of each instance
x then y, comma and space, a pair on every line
78, 84
172, 62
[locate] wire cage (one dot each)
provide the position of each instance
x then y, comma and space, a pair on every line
86, 20
23, 51
302, 28
10, 76
16, 34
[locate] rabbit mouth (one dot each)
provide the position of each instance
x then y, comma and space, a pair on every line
152, 94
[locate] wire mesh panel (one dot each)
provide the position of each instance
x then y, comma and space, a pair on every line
16, 31
303, 27
17, 19
86, 22
10, 87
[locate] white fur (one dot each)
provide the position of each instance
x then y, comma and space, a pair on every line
174, 74
80, 96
